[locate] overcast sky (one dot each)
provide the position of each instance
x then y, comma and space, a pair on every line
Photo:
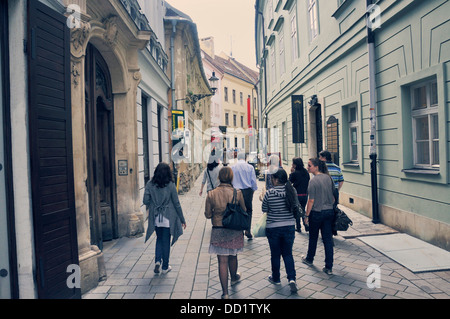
230, 22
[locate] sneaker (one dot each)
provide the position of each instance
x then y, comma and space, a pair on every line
165, 271
293, 285
306, 261
157, 266
327, 271
273, 281
236, 279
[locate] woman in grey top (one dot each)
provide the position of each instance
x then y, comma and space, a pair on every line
165, 214
320, 213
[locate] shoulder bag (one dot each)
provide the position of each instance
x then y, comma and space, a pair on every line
235, 217
341, 221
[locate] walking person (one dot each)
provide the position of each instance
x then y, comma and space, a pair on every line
165, 215
333, 170
299, 178
211, 175
280, 227
245, 180
225, 243
320, 213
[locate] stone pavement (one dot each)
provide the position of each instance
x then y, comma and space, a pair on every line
194, 275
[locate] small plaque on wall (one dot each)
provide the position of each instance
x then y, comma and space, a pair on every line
123, 167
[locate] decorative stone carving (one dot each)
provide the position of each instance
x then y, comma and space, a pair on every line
79, 38
137, 76
110, 35
75, 72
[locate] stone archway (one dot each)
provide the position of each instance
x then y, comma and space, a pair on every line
118, 45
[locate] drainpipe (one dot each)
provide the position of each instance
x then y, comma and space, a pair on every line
373, 113
172, 63
263, 145
172, 87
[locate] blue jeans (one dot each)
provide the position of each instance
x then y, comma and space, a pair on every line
322, 221
281, 240
162, 249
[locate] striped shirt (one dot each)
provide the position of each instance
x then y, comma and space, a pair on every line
274, 204
335, 172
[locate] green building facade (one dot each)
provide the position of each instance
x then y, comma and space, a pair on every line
318, 49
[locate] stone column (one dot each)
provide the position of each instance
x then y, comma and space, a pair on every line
88, 255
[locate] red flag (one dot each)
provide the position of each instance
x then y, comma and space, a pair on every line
249, 120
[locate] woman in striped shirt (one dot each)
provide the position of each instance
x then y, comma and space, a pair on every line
280, 228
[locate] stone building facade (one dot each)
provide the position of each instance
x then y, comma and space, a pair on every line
318, 53
72, 143
190, 93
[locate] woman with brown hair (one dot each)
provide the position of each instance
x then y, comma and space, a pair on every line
320, 213
225, 243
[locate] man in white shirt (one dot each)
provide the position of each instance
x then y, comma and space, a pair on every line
245, 180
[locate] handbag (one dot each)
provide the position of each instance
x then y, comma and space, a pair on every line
235, 217
298, 211
341, 221
260, 228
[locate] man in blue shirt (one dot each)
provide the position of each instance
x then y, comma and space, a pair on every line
333, 170
245, 180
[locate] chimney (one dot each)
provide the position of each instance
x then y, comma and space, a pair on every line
207, 45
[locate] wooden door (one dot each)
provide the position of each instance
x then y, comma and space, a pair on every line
51, 157
100, 150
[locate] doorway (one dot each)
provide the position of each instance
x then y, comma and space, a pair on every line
100, 149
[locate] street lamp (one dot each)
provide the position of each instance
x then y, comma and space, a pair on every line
194, 98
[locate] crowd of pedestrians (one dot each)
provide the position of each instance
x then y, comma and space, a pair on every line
313, 188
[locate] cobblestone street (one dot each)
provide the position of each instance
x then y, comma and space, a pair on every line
194, 275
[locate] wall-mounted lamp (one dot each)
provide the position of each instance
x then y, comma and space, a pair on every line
194, 98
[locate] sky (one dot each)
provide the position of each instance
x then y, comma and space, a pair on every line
230, 22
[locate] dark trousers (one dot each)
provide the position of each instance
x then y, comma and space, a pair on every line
162, 249
281, 240
247, 193
321, 221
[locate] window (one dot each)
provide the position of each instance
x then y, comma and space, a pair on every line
285, 141
234, 120
351, 137
425, 124
313, 19
226, 94
353, 133
281, 51
227, 120
294, 40
234, 96
241, 98
272, 64
160, 136
254, 102
242, 121
145, 138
